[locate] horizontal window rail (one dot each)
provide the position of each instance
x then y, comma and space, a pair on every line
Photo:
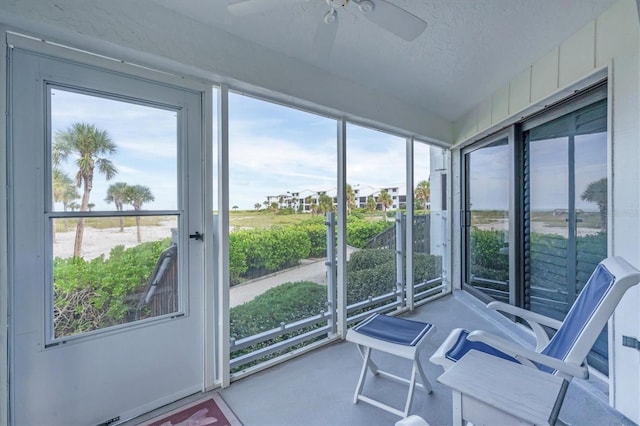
282, 346
246, 342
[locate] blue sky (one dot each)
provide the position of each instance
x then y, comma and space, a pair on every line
273, 149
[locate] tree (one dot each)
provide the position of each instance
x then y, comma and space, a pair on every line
117, 194
89, 146
386, 201
137, 195
423, 192
351, 198
235, 208
596, 192
64, 191
257, 206
325, 204
371, 203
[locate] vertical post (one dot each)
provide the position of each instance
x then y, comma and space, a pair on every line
410, 218
4, 252
342, 230
223, 327
209, 278
332, 294
400, 284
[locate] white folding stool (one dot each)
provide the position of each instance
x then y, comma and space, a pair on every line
395, 336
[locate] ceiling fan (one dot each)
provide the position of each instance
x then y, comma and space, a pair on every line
388, 16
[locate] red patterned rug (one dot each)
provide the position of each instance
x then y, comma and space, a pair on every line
211, 410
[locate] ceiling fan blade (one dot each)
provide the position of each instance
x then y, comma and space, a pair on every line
324, 39
396, 20
249, 7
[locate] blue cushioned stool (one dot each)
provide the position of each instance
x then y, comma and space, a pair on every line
395, 336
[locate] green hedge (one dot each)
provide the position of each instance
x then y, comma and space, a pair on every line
361, 231
487, 261
372, 272
259, 251
98, 293
256, 252
286, 303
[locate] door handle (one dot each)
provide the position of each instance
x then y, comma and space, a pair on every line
197, 236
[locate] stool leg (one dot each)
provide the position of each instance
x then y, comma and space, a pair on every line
412, 386
365, 356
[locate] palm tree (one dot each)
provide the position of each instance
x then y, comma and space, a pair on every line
89, 146
596, 192
63, 192
371, 203
385, 199
423, 192
325, 203
351, 198
117, 194
257, 206
137, 195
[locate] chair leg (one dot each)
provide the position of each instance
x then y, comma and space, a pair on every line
425, 382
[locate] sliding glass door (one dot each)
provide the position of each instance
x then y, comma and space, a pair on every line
485, 219
566, 213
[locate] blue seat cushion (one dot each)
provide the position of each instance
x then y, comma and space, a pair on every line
464, 345
393, 329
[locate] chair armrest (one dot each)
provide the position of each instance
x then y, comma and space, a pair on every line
534, 320
520, 352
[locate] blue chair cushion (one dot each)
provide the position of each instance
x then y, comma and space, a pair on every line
587, 303
393, 329
463, 345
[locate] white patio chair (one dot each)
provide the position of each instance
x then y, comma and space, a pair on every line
565, 353
396, 336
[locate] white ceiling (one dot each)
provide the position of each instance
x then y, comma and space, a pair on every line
469, 50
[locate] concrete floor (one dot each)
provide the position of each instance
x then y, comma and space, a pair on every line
317, 388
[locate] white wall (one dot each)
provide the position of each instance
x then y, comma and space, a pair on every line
612, 41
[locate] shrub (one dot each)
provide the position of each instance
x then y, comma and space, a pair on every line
98, 293
487, 261
316, 231
258, 250
372, 272
286, 303
361, 231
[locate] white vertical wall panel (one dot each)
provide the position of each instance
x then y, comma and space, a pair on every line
611, 38
484, 114
617, 41
577, 55
544, 76
520, 91
500, 104
467, 126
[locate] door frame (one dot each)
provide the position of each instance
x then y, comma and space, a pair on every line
199, 155
514, 178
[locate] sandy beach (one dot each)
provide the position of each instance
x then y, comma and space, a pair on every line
101, 241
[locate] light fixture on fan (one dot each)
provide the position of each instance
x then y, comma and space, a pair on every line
387, 16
